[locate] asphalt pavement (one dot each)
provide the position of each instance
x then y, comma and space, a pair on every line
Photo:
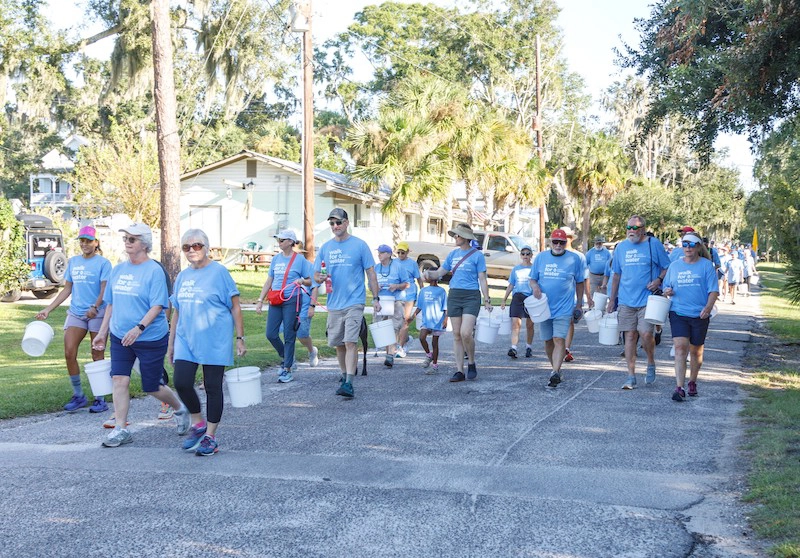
412, 466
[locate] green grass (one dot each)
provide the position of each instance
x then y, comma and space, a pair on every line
773, 417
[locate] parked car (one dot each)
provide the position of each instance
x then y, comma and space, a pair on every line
44, 254
501, 250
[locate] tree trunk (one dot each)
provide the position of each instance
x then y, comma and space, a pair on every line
425, 217
586, 221
168, 137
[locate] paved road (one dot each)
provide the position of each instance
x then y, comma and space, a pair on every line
413, 466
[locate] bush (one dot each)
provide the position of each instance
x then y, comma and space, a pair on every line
13, 271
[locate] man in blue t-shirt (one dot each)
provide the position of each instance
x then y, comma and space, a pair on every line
409, 295
346, 258
597, 259
558, 273
639, 264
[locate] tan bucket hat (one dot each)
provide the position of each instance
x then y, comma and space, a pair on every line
463, 230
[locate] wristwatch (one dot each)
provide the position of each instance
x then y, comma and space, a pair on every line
141, 326
238, 337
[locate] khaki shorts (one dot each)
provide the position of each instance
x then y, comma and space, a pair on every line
344, 325
397, 318
595, 281
632, 319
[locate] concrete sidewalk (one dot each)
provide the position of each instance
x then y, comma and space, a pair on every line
413, 466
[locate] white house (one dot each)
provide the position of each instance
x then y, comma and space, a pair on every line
47, 187
249, 197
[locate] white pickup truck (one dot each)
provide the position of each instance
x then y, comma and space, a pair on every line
500, 249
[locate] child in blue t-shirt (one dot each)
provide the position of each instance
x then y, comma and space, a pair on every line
432, 304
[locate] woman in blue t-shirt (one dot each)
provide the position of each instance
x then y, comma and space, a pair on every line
205, 314
468, 266
291, 271
691, 281
85, 280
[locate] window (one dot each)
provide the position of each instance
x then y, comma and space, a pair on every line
498, 243
252, 169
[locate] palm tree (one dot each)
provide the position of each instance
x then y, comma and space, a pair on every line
597, 171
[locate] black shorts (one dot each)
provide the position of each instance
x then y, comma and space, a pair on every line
463, 301
517, 308
693, 328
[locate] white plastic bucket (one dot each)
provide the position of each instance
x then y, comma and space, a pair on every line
382, 333
486, 332
657, 310
592, 318
505, 323
714, 312
99, 374
538, 309
244, 386
609, 329
600, 301
418, 319
36, 338
753, 280
387, 305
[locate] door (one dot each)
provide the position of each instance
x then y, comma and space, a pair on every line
207, 218
500, 256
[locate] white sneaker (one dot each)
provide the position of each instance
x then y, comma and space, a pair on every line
313, 358
401, 353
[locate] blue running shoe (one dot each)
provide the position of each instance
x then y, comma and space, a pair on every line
285, 376
651, 374
77, 402
194, 437
208, 446
99, 405
345, 390
472, 372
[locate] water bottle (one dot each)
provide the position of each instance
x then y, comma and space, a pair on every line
326, 278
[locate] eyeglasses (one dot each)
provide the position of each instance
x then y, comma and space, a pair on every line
333, 222
402, 251
558, 242
196, 247
526, 253
130, 239
687, 244
634, 227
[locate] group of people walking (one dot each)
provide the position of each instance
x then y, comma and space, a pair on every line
128, 307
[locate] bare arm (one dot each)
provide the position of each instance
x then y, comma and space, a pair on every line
485, 290
372, 280
173, 327
238, 325
62, 296
612, 295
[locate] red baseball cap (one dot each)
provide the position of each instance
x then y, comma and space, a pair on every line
686, 230
558, 234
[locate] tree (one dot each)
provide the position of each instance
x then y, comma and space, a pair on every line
724, 65
597, 172
13, 270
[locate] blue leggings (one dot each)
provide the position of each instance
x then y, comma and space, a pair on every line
285, 314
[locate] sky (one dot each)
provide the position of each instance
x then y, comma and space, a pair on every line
591, 31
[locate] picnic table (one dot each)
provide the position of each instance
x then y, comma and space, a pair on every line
254, 259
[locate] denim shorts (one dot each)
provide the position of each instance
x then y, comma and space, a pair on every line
554, 327
151, 360
305, 328
693, 328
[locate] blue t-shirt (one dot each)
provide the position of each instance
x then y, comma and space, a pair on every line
346, 262
86, 274
133, 289
413, 273
557, 277
466, 276
519, 278
391, 274
692, 284
301, 268
637, 265
432, 304
676, 253
597, 260
202, 298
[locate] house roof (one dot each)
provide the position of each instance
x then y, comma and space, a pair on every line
55, 160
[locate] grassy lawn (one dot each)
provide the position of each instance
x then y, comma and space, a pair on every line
773, 418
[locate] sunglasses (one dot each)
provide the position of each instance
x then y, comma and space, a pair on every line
402, 251
526, 253
687, 244
130, 239
634, 227
196, 247
558, 242
333, 222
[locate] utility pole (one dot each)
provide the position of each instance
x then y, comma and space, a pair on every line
537, 127
303, 10
168, 140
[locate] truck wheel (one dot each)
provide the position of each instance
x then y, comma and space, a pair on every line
49, 293
11, 296
55, 265
425, 265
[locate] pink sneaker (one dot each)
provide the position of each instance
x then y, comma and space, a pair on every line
693, 389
